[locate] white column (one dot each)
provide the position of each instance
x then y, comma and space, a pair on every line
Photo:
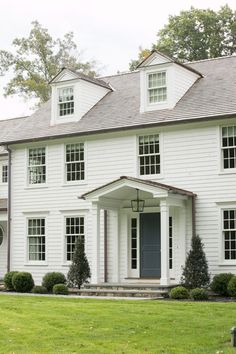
95, 271
116, 247
165, 276
182, 235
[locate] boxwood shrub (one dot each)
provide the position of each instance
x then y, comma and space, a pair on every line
23, 282
178, 293
39, 290
53, 278
220, 283
8, 280
232, 286
60, 289
199, 294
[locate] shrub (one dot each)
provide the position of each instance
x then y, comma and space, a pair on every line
199, 294
180, 292
60, 289
53, 278
8, 280
220, 283
23, 282
79, 271
232, 286
39, 290
195, 273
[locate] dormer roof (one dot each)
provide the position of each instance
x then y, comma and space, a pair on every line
157, 58
66, 74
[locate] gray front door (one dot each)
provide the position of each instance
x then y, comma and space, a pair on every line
150, 245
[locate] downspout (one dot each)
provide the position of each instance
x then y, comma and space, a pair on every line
193, 215
105, 246
9, 211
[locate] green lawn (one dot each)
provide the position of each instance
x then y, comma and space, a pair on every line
58, 325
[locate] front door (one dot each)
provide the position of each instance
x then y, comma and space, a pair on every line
150, 245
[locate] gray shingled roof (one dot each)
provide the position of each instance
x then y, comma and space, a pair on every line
211, 96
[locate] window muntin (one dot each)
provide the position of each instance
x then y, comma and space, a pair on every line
149, 155
4, 174
1, 235
228, 144
170, 242
36, 239
134, 243
229, 234
74, 229
75, 163
66, 101
157, 90
37, 165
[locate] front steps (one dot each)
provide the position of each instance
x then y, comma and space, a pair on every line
153, 291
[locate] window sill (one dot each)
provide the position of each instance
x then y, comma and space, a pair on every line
37, 186
36, 263
228, 172
66, 264
77, 183
159, 176
232, 263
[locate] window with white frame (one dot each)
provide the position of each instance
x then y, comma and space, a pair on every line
36, 239
74, 228
229, 234
134, 243
66, 101
4, 174
75, 163
228, 145
157, 89
37, 165
1, 235
170, 242
149, 155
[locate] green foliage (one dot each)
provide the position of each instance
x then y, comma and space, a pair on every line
195, 272
37, 59
23, 282
38, 289
60, 289
199, 294
220, 283
179, 293
8, 280
232, 287
79, 271
143, 53
53, 278
198, 34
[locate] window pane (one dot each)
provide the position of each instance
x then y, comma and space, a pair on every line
37, 166
74, 229
133, 243
229, 224
229, 147
75, 166
66, 101
36, 239
149, 155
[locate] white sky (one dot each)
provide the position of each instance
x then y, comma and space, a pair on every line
109, 31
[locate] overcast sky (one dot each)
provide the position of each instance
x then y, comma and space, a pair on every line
109, 31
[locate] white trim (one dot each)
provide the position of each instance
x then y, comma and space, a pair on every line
221, 257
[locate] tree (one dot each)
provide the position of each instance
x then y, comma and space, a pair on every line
143, 53
198, 34
37, 59
195, 272
79, 271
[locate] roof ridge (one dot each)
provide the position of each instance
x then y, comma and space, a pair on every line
121, 74
210, 59
11, 118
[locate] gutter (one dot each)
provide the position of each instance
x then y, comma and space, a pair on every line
9, 210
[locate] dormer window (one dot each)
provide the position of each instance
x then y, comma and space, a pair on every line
66, 101
157, 90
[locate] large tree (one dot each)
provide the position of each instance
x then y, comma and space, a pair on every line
35, 60
198, 34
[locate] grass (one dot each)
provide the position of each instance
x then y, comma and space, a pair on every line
59, 325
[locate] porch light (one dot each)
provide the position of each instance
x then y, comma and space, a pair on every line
137, 204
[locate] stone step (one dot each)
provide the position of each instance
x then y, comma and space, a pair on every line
158, 294
136, 287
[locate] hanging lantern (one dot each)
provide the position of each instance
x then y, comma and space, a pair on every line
137, 205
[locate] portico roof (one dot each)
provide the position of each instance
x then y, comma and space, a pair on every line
156, 188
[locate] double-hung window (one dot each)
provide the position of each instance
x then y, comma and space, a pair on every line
75, 163
4, 174
149, 155
66, 101
74, 228
229, 234
37, 165
157, 88
36, 239
228, 146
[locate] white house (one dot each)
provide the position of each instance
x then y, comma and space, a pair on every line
164, 135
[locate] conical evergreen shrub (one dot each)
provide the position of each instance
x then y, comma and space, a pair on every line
79, 271
195, 272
